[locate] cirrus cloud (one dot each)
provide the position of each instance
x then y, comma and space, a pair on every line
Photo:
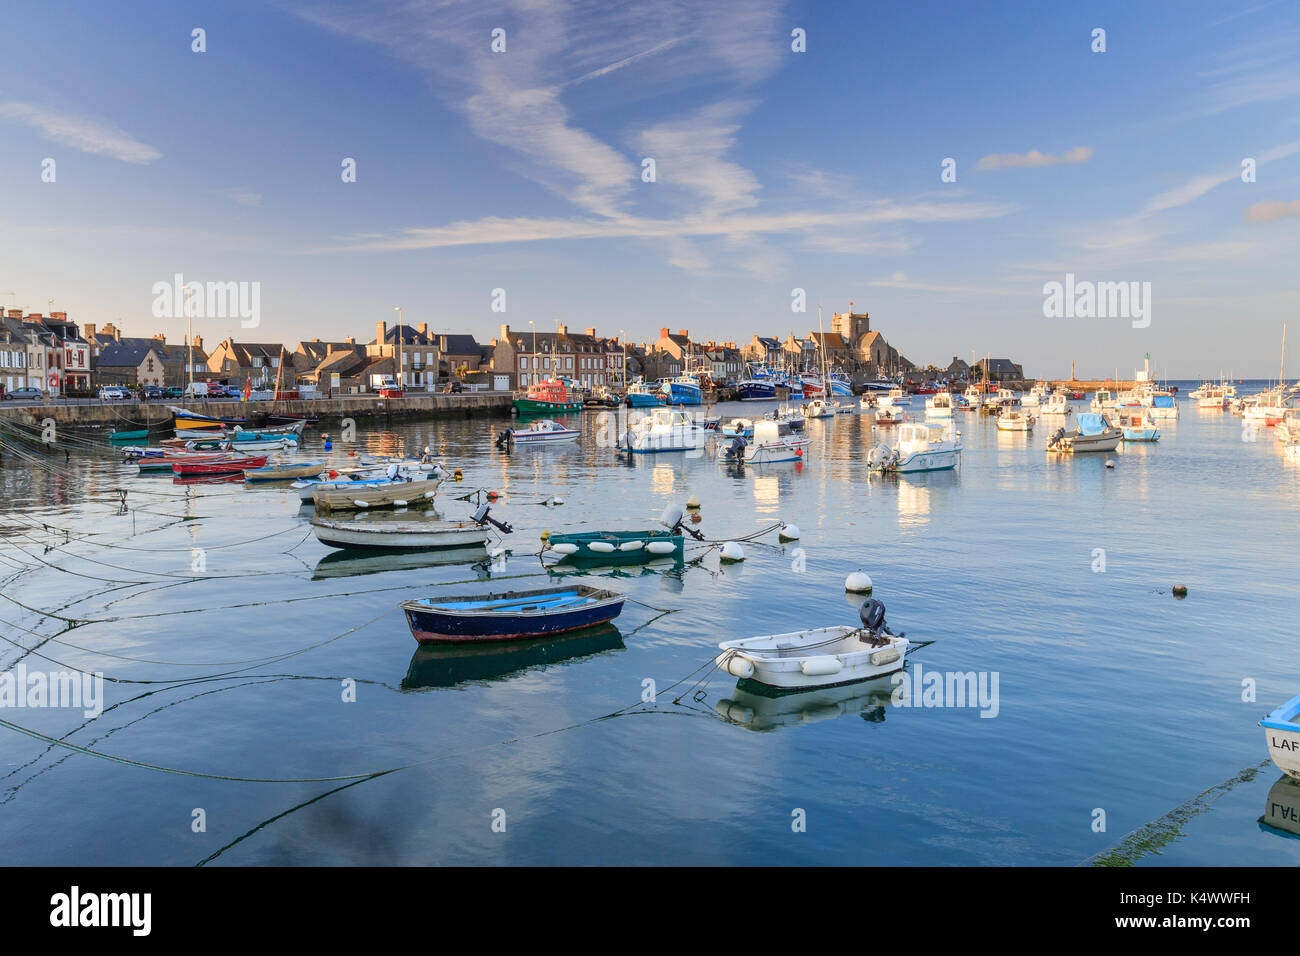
1079, 154
81, 132
1273, 210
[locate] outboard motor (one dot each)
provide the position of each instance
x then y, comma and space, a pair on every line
480, 517
392, 472
672, 520
873, 616
504, 438
736, 450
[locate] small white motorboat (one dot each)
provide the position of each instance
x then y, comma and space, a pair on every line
818, 657
922, 446
867, 402
413, 535
1094, 433
665, 429
896, 398
542, 431
1282, 731
770, 442
738, 428
974, 396
1139, 427
818, 408
1036, 396
1058, 403
889, 415
939, 405
1012, 420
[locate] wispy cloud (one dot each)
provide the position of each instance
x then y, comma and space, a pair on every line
245, 197
1079, 154
1273, 210
81, 132
737, 225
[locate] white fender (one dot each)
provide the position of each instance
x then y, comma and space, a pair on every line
600, 547
661, 547
736, 666
631, 546
886, 655
360, 504
565, 547
823, 665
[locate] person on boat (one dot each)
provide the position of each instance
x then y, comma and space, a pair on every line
427, 457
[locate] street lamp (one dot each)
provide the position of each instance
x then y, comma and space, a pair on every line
536, 361
622, 334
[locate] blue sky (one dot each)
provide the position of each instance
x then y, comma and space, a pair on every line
775, 169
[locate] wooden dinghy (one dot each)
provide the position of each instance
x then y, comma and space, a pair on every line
376, 494
511, 615
1282, 731
285, 471
818, 657
163, 463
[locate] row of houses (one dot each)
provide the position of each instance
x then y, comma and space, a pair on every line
51, 353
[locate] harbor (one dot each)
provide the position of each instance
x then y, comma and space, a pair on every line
244, 615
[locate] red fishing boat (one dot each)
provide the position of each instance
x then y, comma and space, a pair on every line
227, 465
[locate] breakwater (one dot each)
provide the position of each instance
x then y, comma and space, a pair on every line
363, 409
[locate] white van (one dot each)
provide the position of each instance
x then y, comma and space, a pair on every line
196, 390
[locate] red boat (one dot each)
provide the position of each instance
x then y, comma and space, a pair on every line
227, 465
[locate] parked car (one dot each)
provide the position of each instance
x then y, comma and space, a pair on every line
175, 391
151, 392
24, 394
113, 393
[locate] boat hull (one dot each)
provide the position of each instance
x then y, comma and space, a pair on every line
404, 536
927, 461
790, 673
309, 469
620, 545
395, 494
509, 617
533, 406
1282, 734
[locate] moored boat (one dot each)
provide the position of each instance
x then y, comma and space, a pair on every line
546, 398
939, 405
511, 615
225, 465
285, 471
389, 493
1139, 427
770, 442
664, 429
543, 431
922, 446
1013, 420
1093, 432
818, 657
369, 534
1282, 733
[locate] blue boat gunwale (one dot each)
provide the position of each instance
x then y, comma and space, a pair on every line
493, 606
1284, 717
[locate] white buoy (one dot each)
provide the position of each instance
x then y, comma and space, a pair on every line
692, 502
789, 532
859, 582
557, 501
1110, 463
732, 551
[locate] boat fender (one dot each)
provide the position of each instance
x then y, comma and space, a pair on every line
429, 494
360, 504
732, 552
886, 655
333, 474
399, 503
789, 532
823, 665
859, 582
600, 547
736, 666
661, 547
565, 547
631, 546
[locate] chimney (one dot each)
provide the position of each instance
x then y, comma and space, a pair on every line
90, 330
423, 328
561, 329
15, 313
35, 317
505, 333
348, 341
59, 316
591, 332
683, 333
663, 333
381, 332
198, 341
160, 337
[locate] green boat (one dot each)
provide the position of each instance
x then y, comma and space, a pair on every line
615, 547
547, 398
140, 435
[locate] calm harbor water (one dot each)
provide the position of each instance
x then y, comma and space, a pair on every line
229, 681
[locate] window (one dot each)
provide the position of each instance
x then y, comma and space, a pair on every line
523, 380
523, 361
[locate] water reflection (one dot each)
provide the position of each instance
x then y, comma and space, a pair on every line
344, 563
1282, 808
435, 665
760, 708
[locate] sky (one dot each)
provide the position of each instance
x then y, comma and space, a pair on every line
775, 169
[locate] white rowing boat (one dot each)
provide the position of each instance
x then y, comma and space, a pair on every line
818, 657
370, 534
